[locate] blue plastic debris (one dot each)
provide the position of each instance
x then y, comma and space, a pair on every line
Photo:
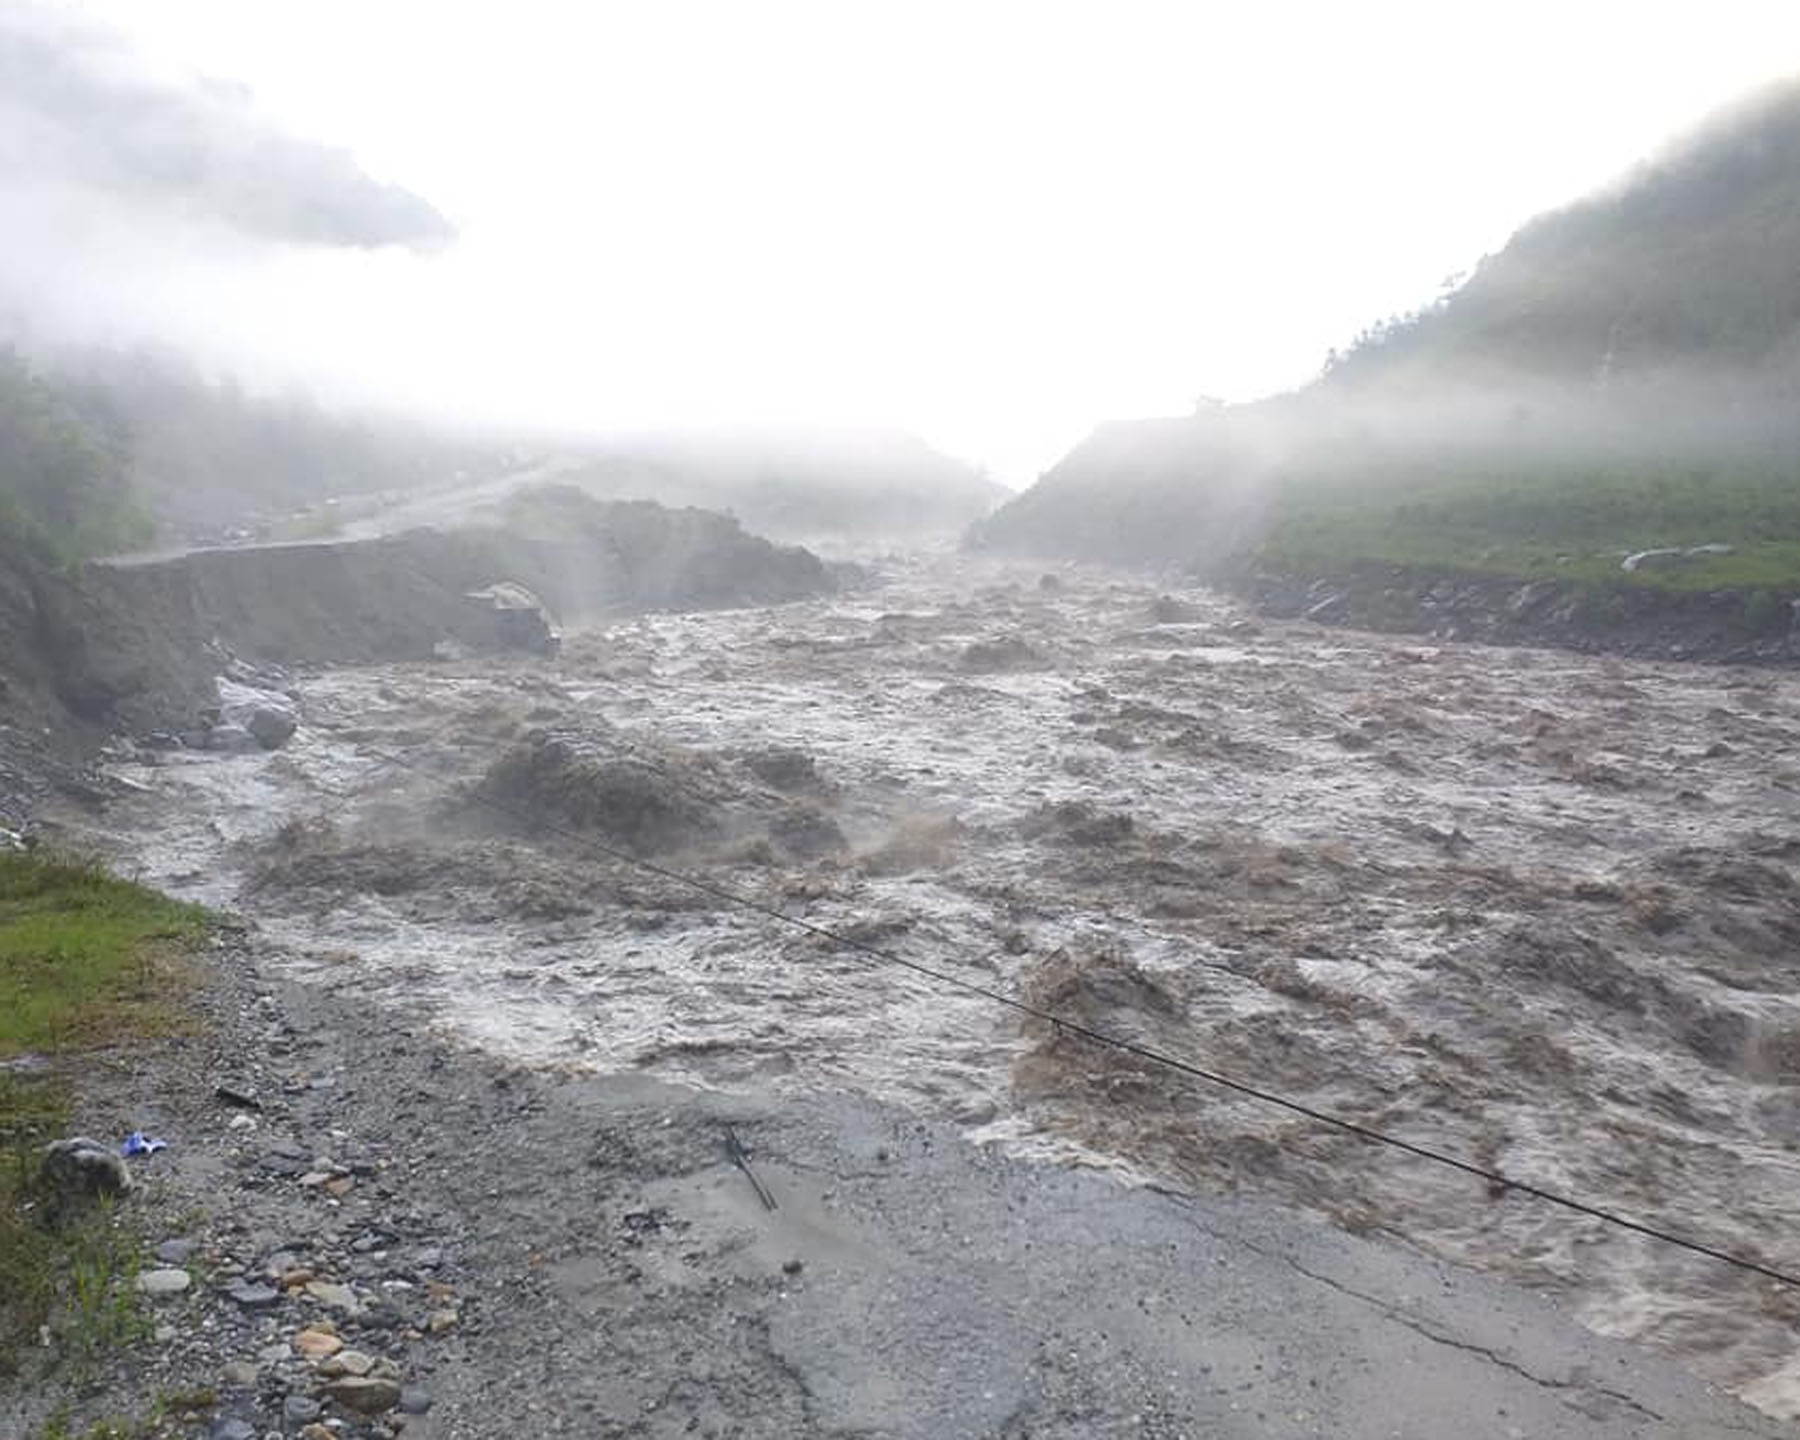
137, 1143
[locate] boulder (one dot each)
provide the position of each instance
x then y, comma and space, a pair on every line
268, 716
519, 620
231, 740
80, 1168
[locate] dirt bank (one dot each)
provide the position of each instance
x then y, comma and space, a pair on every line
135, 646
1736, 627
407, 1236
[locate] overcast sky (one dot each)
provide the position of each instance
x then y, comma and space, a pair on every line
996, 224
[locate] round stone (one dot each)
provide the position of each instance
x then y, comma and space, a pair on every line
163, 1284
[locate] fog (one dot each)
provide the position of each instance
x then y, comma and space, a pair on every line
129, 196
993, 230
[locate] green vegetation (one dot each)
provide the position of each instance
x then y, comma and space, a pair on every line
1620, 377
1560, 519
85, 959
94, 443
171, 1412
82, 954
62, 483
1693, 260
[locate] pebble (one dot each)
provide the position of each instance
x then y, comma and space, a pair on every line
368, 1395
317, 1432
316, 1343
300, 1409
253, 1297
350, 1362
414, 1401
327, 1292
163, 1284
175, 1252
441, 1320
232, 1428
240, 1375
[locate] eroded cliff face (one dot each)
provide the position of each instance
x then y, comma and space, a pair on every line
136, 645
1731, 626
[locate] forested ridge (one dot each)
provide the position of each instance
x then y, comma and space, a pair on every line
106, 450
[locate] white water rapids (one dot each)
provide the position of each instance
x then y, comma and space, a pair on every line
1537, 909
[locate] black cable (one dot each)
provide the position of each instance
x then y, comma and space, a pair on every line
1100, 1037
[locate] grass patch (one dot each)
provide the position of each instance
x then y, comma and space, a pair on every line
85, 959
84, 956
1553, 519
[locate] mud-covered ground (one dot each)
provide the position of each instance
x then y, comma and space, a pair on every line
1534, 908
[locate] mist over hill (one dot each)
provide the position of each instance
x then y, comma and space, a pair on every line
800, 485
1619, 378
1691, 262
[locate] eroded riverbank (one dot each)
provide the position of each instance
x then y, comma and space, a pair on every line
1536, 908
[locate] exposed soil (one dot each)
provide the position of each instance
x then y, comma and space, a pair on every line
1740, 627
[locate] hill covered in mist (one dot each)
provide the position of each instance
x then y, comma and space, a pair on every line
800, 485
1692, 261
1620, 377
108, 450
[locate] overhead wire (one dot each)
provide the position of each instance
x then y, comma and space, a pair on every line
1503, 1183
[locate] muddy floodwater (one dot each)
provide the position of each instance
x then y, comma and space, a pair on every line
1533, 908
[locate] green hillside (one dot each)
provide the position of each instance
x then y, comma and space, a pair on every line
1692, 260
102, 449
1621, 377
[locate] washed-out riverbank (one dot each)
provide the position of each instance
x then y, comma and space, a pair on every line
1524, 905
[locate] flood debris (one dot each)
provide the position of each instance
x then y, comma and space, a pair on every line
267, 718
1001, 654
654, 798
516, 618
740, 1157
237, 1097
651, 799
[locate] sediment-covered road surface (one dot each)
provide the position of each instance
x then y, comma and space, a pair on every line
1536, 909
522, 1253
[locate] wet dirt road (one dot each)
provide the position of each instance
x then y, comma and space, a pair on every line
1536, 909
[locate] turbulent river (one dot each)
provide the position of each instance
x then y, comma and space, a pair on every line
1536, 909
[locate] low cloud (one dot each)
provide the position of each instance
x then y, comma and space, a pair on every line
80, 112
